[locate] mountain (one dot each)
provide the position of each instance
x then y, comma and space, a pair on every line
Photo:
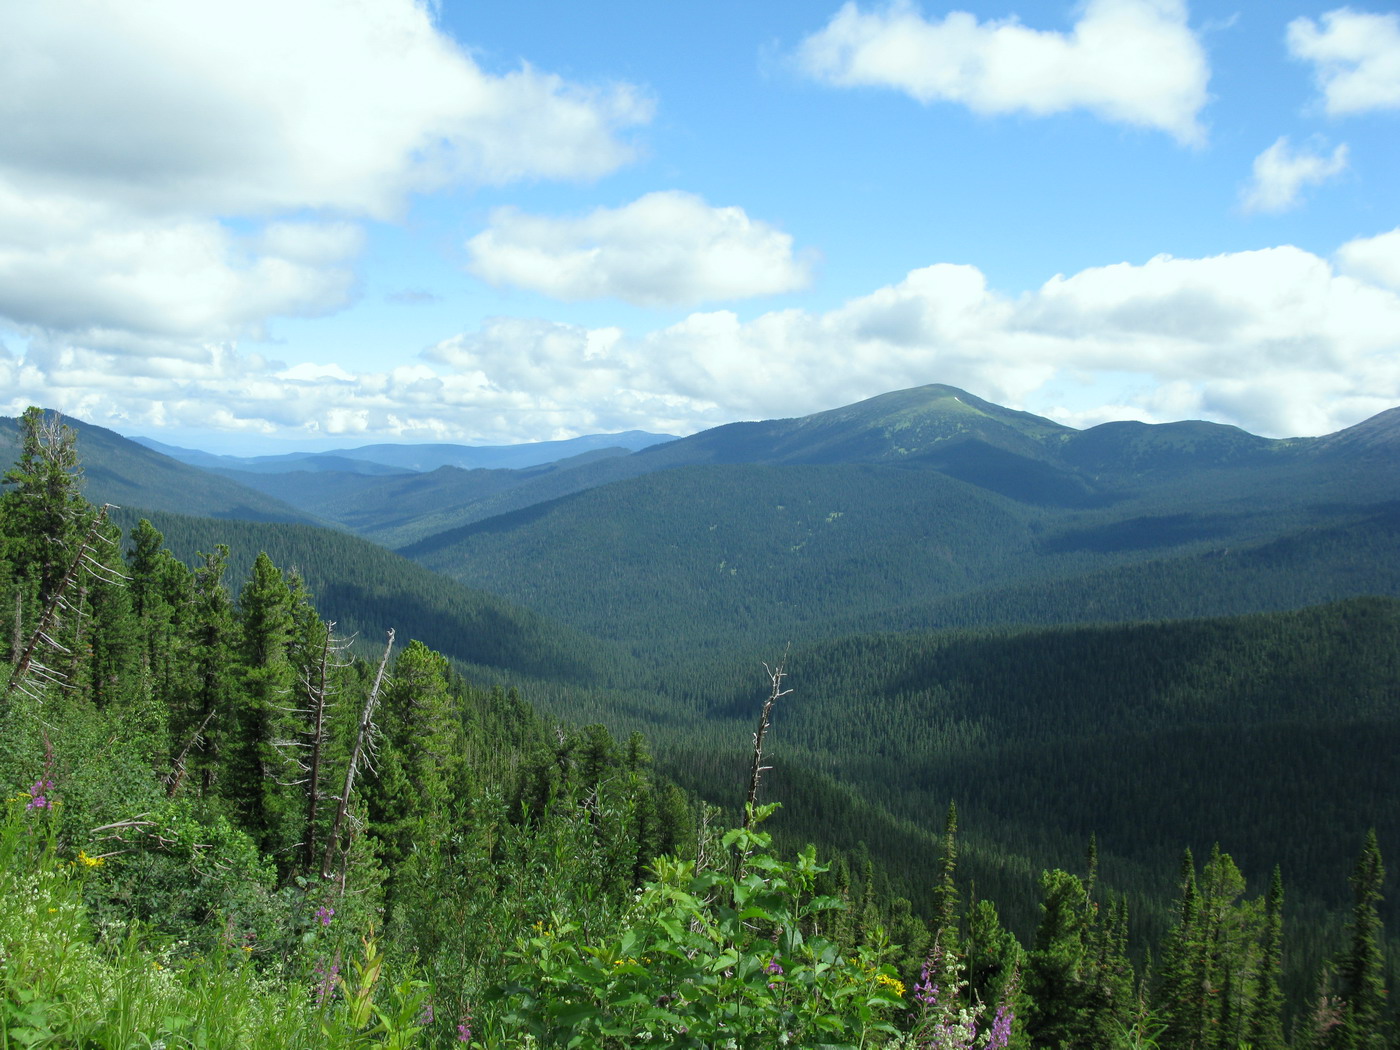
936, 428
413, 458
930, 508
119, 471
1374, 438
400, 508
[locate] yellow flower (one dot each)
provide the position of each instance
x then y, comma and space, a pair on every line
890, 982
90, 862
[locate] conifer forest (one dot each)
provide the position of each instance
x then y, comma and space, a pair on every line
1115, 775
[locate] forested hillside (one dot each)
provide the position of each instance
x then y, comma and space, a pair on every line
1165, 833
124, 473
368, 586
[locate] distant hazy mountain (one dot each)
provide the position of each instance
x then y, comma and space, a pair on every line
415, 458
119, 471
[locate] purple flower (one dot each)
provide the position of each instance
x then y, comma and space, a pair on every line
325, 915
1001, 1029
464, 1032
773, 966
325, 980
39, 795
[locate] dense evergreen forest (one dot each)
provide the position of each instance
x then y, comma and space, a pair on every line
227, 825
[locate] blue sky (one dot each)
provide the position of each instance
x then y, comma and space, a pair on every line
257, 226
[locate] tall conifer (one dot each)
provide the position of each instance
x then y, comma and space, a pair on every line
1266, 1022
1362, 969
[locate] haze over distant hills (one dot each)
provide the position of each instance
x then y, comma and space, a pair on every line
412, 458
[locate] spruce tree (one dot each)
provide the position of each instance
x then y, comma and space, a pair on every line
945, 894
1266, 1021
253, 764
1361, 972
1056, 967
1177, 997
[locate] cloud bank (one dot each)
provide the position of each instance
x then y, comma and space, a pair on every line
1279, 341
175, 171
1133, 62
664, 249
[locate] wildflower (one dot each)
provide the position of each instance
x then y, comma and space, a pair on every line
891, 983
38, 795
324, 915
89, 862
773, 967
464, 1028
325, 979
1001, 1028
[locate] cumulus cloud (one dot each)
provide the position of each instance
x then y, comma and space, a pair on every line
1375, 259
159, 160
664, 249
258, 107
84, 268
1281, 172
1129, 61
1355, 57
1279, 341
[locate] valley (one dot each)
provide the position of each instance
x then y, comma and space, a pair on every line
1160, 637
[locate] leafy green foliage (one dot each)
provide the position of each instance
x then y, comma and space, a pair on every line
703, 959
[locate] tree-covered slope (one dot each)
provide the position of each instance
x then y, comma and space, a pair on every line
1267, 733
368, 590
719, 552
124, 473
770, 554
402, 508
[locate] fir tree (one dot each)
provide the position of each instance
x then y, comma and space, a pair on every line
1055, 967
945, 894
1178, 1004
1361, 972
42, 511
1266, 1021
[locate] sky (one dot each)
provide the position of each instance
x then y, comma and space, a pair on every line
269, 225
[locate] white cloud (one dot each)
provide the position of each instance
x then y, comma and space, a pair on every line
664, 249
260, 107
1128, 61
1375, 259
1355, 57
185, 172
1281, 172
1277, 341
82, 268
